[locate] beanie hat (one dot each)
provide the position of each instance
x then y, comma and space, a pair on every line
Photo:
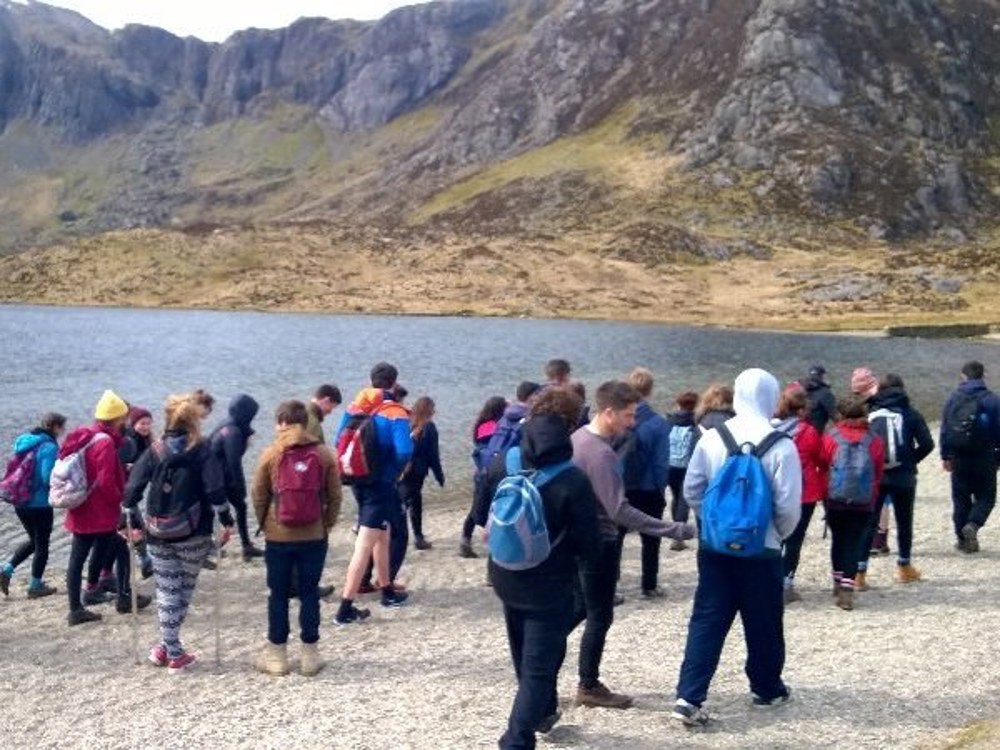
863, 382
136, 413
110, 407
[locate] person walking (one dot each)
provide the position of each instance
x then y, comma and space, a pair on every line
684, 434
229, 441
748, 586
482, 433
426, 460
296, 500
970, 449
36, 516
186, 492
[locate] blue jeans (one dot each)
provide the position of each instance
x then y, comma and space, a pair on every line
537, 640
304, 560
727, 586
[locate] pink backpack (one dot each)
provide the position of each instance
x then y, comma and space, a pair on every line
18, 483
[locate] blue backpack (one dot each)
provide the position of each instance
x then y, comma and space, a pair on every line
852, 471
516, 529
738, 504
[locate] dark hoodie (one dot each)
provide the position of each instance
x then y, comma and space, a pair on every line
710, 420
917, 440
570, 506
229, 443
132, 447
822, 404
989, 414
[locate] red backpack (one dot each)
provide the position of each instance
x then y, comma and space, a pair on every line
357, 449
18, 483
299, 487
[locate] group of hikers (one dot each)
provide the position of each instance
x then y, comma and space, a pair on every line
558, 484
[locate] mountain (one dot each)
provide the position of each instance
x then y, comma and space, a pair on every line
816, 142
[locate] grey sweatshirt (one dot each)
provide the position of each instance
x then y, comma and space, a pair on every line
595, 457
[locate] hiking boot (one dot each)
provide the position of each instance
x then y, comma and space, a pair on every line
209, 564
397, 587
845, 599
96, 596
124, 603
351, 616
960, 545
393, 598
678, 545
880, 543
107, 584
250, 552
81, 616
907, 573
310, 662
775, 702
367, 588
272, 659
599, 696
422, 544
548, 723
792, 596
147, 569
325, 591
41, 590
970, 535
465, 550
689, 714
619, 600
182, 662
656, 593
4, 583
861, 581
158, 656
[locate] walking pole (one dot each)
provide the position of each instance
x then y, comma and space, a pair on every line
220, 539
134, 586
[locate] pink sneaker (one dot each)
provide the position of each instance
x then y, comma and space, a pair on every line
158, 656
181, 663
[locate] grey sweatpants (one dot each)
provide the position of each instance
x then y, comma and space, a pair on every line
175, 570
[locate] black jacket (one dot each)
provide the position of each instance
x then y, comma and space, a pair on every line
132, 447
822, 404
710, 420
229, 443
426, 458
917, 441
570, 506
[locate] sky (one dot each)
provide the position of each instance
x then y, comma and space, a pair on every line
214, 20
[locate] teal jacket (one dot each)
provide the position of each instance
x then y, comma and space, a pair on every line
45, 459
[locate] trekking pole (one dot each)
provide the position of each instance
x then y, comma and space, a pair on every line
217, 604
134, 586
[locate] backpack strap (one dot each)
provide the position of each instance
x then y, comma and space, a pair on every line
513, 461
732, 447
770, 441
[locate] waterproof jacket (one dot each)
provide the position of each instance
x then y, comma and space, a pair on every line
426, 458
392, 430
46, 450
229, 442
809, 444
755, 399
133, 445
854, 431
101, 510
822, 404
570, 507
917, 441
484, 433
989, 410
210, 491
265, 480
651, 457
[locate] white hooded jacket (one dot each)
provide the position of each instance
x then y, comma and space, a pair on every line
755, 399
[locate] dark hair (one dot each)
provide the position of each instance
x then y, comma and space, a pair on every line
687, 401
384, 375
557, 369
579, 389
492, 410
52, 421
526, 390
973, 370
399, 392
890, 380
560, 402
331, 392
852, 407
203, 398
291, 412
616, 395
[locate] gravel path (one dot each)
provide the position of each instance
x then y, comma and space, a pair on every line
907, 668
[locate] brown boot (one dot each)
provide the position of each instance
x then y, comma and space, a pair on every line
310, 662
845, 599
861, 581
599, 696
907, 573
272, 660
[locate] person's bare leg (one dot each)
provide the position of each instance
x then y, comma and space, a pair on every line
367, 541
381, 553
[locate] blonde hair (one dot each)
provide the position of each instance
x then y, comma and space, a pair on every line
717, 397
183, 412
642, 380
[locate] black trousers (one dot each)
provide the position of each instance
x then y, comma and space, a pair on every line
594, 603
38, 523
240, 506
412, 495
973, 493
83, 545
848, 529
902, 508
679, 510
793, 545
651, 503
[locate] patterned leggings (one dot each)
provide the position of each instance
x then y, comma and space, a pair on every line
175, 569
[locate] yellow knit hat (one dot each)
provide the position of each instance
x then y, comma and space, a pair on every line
110, 407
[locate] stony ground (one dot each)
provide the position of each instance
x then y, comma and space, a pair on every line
909, 668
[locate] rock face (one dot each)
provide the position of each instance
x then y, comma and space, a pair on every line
880, 112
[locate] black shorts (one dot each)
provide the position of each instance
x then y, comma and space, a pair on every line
373, 505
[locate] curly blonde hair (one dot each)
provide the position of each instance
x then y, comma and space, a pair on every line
183, 412
717, 397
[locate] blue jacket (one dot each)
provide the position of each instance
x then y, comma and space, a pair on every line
989, 410
45, 459
392, 429
651, 463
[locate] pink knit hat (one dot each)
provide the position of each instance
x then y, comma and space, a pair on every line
863, 382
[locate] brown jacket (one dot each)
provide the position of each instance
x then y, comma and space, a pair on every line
315, 426
265, 478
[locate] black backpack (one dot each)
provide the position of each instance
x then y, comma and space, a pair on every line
173, 505
965, 431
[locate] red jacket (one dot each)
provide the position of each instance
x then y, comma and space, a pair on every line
854, 430
100, 511
814, 466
